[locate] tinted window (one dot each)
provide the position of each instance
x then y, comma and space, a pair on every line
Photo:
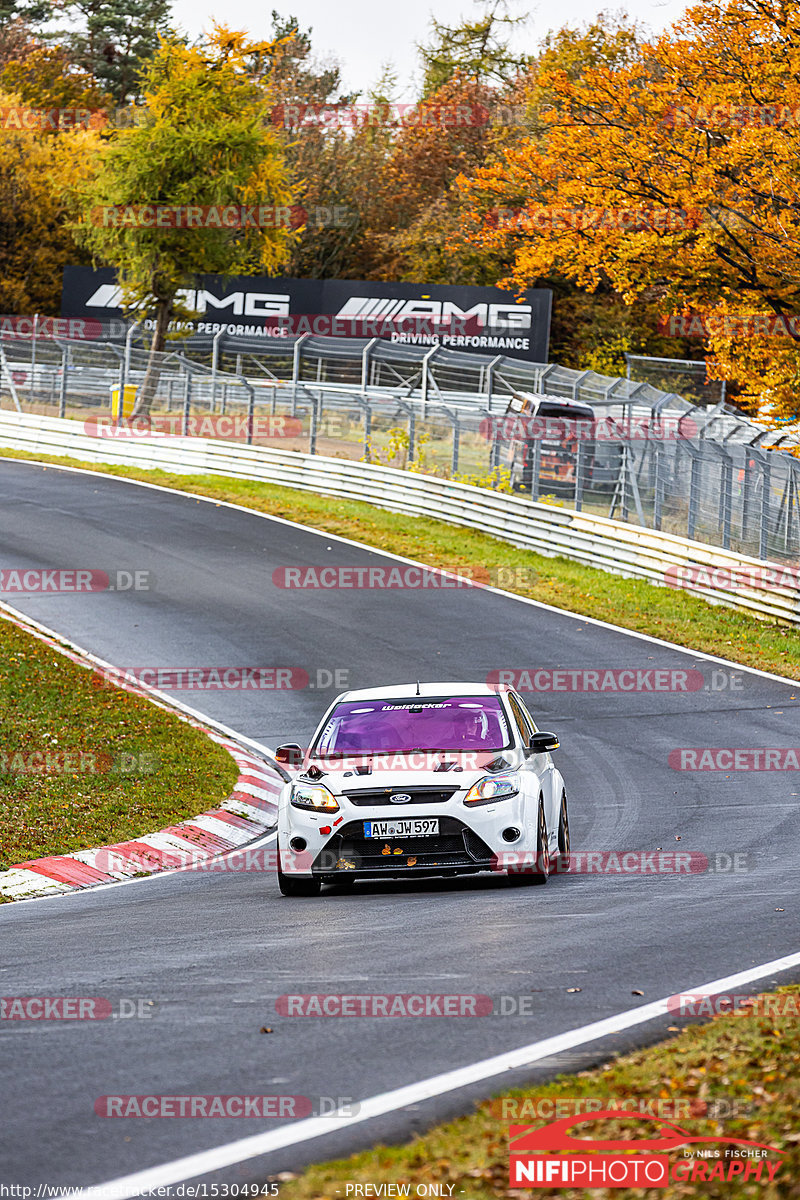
417, 723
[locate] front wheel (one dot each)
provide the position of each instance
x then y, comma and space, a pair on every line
294, 885
297, 885
563, 832
541, 873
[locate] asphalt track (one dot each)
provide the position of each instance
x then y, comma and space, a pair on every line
214, 951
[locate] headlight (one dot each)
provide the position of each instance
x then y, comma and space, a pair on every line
313, 795
492, 787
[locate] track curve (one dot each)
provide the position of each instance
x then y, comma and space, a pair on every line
215, 951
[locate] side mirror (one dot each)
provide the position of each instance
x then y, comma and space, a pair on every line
543, 743
290, 755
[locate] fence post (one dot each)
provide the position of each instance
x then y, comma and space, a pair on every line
490, 379
747, 493
576, 383
694, 496
367, 430
658, 486
766, 490
312, 436
579, 468
424, 387
32, 387
187, 403
536, 466
543, 374
128, 346
297, 355
214, 368
412, 434
9, 378
726, 500
62, 391
124, 369
251, 408
365, 363
793, 507
456, 444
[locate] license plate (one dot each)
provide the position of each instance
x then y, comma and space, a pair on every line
414, 827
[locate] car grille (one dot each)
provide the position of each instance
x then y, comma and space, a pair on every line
419, 795
455, 847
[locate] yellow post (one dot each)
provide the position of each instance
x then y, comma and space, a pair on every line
128, 401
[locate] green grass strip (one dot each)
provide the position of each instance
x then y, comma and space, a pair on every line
83, 765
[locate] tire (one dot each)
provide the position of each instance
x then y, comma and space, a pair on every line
540, 876
297, 885
563, 833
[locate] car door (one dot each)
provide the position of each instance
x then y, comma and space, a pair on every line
538, 769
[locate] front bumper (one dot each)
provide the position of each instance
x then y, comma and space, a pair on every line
456, 849
469, 839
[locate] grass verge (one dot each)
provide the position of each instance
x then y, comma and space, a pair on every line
115, 765
672, 615
742, 1065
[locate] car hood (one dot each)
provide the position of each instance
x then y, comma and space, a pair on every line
407, 778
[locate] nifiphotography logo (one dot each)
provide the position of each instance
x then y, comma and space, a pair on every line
581, 1161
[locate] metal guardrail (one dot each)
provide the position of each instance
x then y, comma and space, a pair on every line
725, 484
765, 589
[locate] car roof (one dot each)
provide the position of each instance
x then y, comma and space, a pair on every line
404, 690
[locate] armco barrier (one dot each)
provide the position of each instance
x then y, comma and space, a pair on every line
763, 589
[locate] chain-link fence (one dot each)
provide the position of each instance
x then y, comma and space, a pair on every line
689, 378
610, 446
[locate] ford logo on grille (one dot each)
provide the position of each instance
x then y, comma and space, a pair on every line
400, 798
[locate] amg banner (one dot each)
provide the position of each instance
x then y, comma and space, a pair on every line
478, 319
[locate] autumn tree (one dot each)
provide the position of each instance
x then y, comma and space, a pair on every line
202, 142
16, 40
447, 134
477, 50
113, 40
35, 239
31, 12
45, 77
331, 166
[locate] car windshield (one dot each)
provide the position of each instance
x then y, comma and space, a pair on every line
419, 723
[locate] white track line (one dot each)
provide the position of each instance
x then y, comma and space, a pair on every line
207, 1161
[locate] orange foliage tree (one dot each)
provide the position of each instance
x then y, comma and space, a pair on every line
670, 172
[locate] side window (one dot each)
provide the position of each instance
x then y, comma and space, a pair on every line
523, 721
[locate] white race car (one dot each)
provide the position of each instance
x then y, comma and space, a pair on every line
425, 779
